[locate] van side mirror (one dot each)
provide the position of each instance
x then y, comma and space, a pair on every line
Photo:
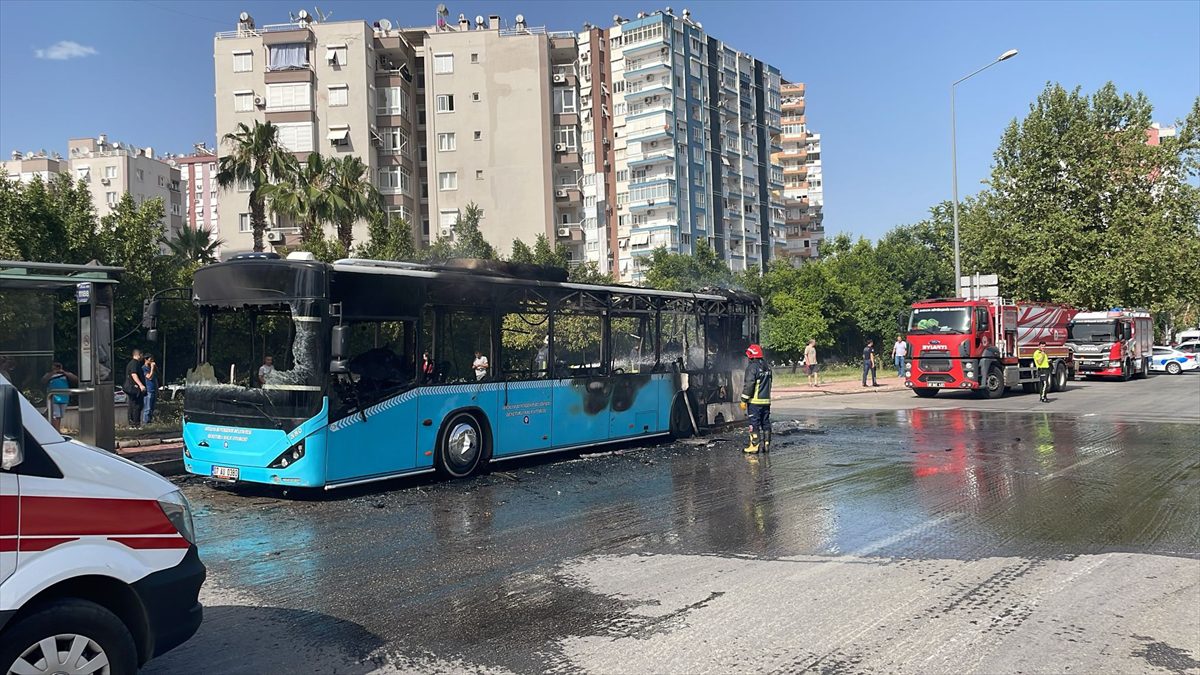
12, 431
340, 349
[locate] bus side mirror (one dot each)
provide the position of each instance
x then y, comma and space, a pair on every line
12, 432
340, 349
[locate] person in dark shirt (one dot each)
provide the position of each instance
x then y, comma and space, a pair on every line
135, 389
150, 379
869, 363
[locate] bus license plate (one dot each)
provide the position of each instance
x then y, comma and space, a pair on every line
225, 473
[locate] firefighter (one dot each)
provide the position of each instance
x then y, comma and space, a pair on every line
1042, 363
756, 400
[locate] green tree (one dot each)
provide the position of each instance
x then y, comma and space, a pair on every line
352, 196
683, 272
521, 253
388, 238
194, 244
466, 242
255, 159
303, 195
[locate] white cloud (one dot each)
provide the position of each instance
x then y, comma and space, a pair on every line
63, 50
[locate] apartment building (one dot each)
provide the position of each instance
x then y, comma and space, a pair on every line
800, 161
679, 130
444, 116
201, 195
110, 169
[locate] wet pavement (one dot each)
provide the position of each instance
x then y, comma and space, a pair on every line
923, 540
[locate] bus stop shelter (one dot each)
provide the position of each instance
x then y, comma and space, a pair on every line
32, 297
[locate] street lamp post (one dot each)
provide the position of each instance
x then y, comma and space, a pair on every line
954, 165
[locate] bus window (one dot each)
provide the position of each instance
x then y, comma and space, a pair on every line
633, 342
682, 338
525, 345
462, 336
578, 340
383, 356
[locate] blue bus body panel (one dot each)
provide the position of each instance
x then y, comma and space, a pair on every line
581, 411
250, 451
436, 403
525, 418
379, 441
633, 410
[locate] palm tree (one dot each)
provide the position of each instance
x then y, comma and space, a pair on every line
194, 244
256, 158
353, 196
303, 194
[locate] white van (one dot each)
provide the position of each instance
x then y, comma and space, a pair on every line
99, 570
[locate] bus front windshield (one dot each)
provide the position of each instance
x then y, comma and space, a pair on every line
260, 366
935, 320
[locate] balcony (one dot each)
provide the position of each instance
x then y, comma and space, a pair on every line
653, 158
646, 67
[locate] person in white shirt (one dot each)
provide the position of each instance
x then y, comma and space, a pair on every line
480, 365
266, 370
899, 352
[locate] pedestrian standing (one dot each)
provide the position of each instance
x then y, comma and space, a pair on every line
150, 377
899, 353
266, 370
480, 364
810, 363
756, 400
1042, 363
57, 379
134, 388
869, 364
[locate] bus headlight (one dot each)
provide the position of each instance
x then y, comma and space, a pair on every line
288, 457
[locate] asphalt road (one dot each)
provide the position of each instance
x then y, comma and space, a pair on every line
954, 536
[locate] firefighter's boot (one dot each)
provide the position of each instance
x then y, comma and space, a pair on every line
753, 447
766, 440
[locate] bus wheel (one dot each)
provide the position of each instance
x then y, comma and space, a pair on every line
925, 392
462, 446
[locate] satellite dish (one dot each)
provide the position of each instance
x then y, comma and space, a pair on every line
520, 18
479, 20
385, 25
442, 11
244, 16
462, 17
303, 14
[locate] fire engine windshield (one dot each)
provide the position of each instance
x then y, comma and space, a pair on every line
934, 320
1092, 331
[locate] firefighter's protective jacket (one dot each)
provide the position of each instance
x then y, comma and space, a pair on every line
757, 390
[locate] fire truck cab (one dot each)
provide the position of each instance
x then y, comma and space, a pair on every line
1116, 343
984, 345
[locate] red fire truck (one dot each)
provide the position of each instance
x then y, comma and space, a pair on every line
1116, 343
985, 345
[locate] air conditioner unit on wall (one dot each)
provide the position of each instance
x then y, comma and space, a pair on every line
564, 231
274, 237
259, 101
559, 78
560, 193
560, 147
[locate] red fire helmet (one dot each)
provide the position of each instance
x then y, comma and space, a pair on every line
754, 352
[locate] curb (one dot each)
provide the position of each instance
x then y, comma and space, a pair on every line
146, 442
804, 393
166, 467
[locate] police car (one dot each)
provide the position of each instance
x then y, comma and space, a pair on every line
1172, 360
99, 570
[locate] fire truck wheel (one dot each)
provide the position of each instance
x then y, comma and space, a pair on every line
1126, 371
68, 627
1059, 383
994, 383
925, 392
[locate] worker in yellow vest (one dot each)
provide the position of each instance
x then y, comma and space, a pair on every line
1042, 363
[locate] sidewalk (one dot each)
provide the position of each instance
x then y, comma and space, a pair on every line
888, 383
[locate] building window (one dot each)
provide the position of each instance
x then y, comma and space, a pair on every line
620, 108
336, 55
445, 103
141, 175
289, 97
622, 175
390, 180
339, 95
244, 222
447, 180
589, 136
474, 57
162, 181
446, 142
478, 174
110, 198
243, 186
394, 140
475, 96
479, 135
243, 62
564, 100
447, 218
296, 136
288, 56
565, 136
443, 64
243, 101
392, 102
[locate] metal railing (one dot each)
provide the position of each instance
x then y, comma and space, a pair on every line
257, 32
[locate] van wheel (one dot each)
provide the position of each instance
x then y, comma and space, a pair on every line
69, 636
462, 446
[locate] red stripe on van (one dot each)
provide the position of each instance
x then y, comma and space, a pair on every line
152, 542
31, 545
8, 515
91, 516
8, 545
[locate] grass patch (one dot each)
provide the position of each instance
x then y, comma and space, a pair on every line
834, 373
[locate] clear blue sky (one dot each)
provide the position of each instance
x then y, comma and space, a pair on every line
878, 74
